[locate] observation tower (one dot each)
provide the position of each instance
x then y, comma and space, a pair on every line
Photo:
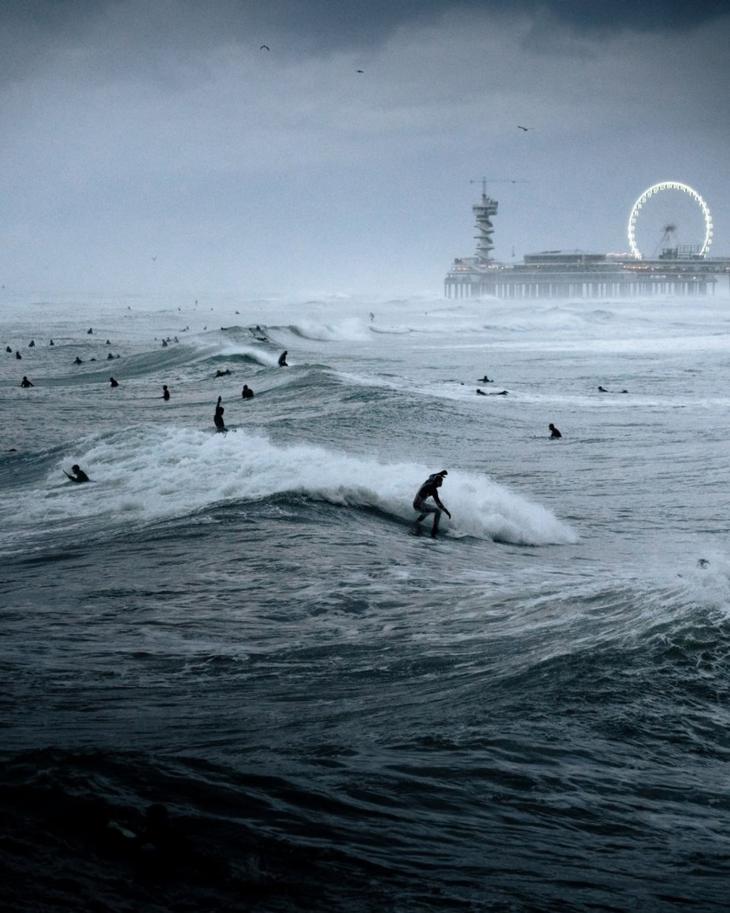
484, 211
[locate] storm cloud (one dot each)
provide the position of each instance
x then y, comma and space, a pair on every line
137, 130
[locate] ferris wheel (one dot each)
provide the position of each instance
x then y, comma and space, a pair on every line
658, 188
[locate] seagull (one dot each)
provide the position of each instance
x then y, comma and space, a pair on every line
264, 47
520, 127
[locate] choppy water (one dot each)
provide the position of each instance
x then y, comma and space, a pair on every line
528, 713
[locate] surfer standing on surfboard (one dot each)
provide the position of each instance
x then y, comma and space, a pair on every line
429, 489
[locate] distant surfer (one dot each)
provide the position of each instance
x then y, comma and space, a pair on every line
485, 380
480, 392
554, 432
602, 390
220, 373
218, 417
25, 382
18, 355
109, 356
51, 343
77, 361
429, 489
282, 359
89, 332
77, 474
247, 392
8, 349
164, 343
31, 344
113, 383
165, 392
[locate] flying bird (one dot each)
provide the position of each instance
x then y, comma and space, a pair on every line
520, 127
264, 47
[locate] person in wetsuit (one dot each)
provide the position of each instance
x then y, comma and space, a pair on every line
25, 382
77, 361
165, 392
554, 432
282, 359
113, 383
247, 392
220, 373
77, 474
429, 489
218, 417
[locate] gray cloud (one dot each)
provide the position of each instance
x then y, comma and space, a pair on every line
131, 127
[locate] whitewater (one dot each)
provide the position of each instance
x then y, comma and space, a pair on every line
338, 712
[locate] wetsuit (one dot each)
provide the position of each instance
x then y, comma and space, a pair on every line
218, 418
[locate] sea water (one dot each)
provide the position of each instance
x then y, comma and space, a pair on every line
529, 712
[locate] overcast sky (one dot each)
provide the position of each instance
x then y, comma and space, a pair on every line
141, 129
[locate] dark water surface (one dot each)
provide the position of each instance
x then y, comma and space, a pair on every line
528, 713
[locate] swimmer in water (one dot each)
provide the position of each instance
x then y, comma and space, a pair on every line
554, 433
485, 380
220, 373
429, 489
113, 383
218, 417
282, 360
25, 382
165, 392
18, 355
77, 361
247, 392
77, 474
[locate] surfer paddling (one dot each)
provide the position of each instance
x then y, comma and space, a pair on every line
77, 474
429, 489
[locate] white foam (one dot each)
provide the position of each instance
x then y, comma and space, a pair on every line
148, 474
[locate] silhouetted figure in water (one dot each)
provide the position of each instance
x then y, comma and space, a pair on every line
282, 360
18, 356
89, 332
77, 361
109, 356
554, 433
107, 343
218, 417
429, 489
480, 392
247, 392
8, 349
51, 343
703, 562
31, 344
165, 392
485, 380
77, 474
25, 382
220, 373
164, 343
604, 390
113, 383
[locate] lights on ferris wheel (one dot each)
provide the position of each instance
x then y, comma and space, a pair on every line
658, 188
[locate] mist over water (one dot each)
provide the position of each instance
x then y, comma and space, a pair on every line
526, 713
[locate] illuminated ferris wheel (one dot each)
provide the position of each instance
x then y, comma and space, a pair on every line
659, 188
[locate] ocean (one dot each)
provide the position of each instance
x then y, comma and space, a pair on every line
234, 676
